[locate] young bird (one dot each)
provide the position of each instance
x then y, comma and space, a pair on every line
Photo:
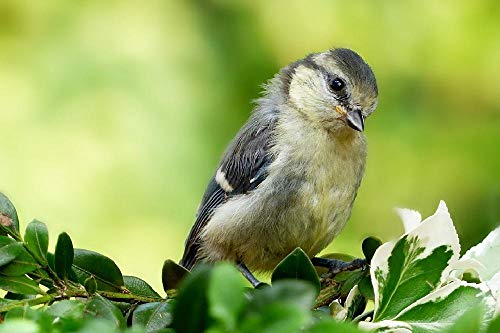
290, 176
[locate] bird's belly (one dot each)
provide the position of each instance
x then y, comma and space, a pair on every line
261, 230
304, 202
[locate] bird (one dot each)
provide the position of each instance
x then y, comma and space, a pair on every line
290, 176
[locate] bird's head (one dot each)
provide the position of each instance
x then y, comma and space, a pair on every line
333, 89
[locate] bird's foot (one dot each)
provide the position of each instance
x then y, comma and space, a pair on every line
336, 266
247, 274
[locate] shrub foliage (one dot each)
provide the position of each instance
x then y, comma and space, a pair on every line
417, 283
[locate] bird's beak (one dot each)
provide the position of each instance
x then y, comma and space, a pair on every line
355, 120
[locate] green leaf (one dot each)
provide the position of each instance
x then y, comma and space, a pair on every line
409, 269
296, 292
439, 310
226, 295
369, 246
105, 271
328, 325
409, 278
8, 215
366, 288
283, 307
172, 275
63, 256
139, 287
153, 316
99, 307
276, 318
19, 285
191, 307
355, 303
443, 307
494, 326
90, 285
350, 280
470, 321
66, 309
36, 239
22, 264
297, 266
9, 252
43, 320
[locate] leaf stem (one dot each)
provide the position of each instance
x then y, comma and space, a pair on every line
114, 296
31, 302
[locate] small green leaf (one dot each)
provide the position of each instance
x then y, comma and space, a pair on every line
369, 246
351, 279
63, 256
139, 287
8, 215
9, 252
99, 307
20, 285
36, 239
172, 275
297, 266
355, 303
191, 307
22, 264
153, 316
66, 309
105, 271
366, 288
226, 295
90, 285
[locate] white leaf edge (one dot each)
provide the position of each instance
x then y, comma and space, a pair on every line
434, 231
445, 291
337, 310
438, 294
494, 285
478, 257
410, 218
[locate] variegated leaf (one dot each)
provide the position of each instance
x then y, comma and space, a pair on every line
406, 270
440, 309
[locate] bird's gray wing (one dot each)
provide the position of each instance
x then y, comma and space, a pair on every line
241, 170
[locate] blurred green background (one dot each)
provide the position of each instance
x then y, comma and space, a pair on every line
114, 114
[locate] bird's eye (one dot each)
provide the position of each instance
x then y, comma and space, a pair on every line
336, 84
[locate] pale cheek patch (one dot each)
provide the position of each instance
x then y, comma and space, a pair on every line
303, 87
220, 178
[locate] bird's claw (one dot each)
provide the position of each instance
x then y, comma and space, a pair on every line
338, 266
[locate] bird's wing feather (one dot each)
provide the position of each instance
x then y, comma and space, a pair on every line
241, 170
